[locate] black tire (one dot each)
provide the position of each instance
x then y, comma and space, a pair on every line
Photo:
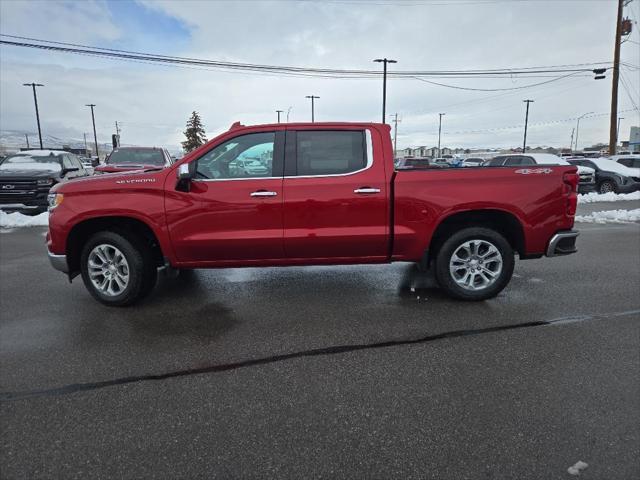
142, 271
608, 186
453, 243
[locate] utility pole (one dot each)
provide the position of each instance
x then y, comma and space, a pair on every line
312, 97
613, 132
27, 137
578, 126
384, 61
440, 131
279, 112
288, 112
35, 100
526, 122
93, 119
85, 143
395, 133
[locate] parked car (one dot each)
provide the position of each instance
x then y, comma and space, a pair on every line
441, 162
587, 175
472, 162
414, 162
632, 161
331, 196
247, 168
88, 164
611, 176
124, 159
26, 177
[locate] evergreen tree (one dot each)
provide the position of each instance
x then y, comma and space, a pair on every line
194, 133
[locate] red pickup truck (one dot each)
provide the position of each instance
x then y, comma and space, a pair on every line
308, 194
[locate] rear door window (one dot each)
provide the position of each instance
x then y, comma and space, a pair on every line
324, 152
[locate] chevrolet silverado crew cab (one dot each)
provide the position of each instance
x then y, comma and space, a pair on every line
308, 194
26, 178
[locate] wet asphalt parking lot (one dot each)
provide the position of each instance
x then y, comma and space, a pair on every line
324, 372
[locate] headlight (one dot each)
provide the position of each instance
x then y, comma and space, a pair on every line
54, 199
45, 181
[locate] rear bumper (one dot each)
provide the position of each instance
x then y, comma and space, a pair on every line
59, 262
586, 187
629, 188
563, 243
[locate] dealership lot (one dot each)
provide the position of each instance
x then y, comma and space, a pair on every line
325, 371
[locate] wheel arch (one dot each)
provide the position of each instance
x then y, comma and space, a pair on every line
505, 223
126, 226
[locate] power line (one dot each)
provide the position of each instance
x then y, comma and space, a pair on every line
285, 70
495, 89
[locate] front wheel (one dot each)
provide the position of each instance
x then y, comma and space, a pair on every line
607, 186
474, 264
117, 270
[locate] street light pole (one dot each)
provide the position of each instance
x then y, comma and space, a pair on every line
440, 131
526, 122
618, 131
35, 100
395, 133
93, 119
279, 112
578, 126
384, 61
312, 97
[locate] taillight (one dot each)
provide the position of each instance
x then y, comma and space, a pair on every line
571, 181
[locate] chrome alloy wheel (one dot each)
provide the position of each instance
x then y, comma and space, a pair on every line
108, 270
475, 265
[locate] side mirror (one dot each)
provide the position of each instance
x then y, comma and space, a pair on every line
186, 171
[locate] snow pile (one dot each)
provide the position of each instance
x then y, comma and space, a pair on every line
577, 468
11, 220
611, 216
593, 197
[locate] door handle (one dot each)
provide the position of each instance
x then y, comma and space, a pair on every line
263, 193
365, 190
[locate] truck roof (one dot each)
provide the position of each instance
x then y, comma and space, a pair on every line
238, 125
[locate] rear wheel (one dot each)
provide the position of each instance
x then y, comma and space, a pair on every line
117, 269
474, 264
607, 186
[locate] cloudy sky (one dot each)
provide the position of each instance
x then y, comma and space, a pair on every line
152, 102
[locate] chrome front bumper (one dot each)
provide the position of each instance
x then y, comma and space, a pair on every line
59, 262
563, 243
19, 206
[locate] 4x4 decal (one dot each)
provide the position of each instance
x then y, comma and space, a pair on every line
527, 171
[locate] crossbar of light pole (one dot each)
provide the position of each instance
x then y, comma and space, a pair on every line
384, 62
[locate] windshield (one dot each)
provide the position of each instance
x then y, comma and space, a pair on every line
136, 156
29, 162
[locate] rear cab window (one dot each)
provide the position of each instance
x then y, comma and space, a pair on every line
326, 152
